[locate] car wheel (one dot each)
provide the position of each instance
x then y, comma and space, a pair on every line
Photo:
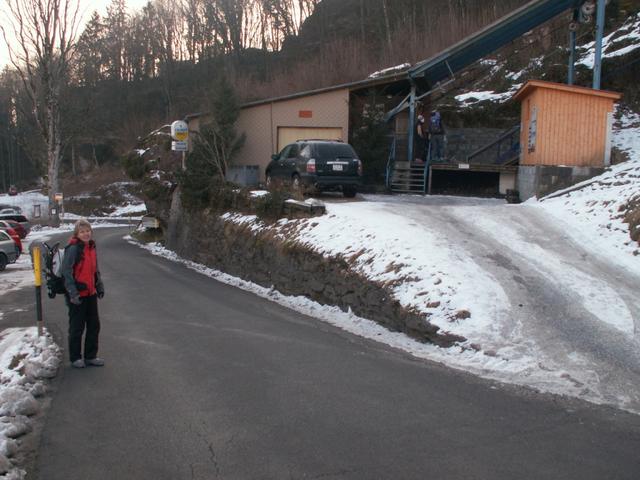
349, 192
3, 261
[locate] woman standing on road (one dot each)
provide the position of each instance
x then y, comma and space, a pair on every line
84, 287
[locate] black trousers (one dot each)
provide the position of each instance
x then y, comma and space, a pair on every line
83, 316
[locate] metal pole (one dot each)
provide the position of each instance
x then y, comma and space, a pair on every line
597, 65
572, 48
412, 121
37, 258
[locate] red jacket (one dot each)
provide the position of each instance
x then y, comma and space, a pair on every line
85, 266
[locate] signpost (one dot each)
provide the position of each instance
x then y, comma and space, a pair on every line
180, 135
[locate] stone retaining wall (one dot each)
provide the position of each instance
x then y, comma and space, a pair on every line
291, 269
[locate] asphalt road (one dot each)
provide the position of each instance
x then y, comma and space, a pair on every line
206, 381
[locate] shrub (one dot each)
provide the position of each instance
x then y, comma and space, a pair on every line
134, 165
270, 207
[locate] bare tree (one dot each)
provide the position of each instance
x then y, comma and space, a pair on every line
41, 42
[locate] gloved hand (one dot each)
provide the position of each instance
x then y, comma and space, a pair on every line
101, 294
75, 300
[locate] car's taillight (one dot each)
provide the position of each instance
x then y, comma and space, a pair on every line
311, 165
359, 167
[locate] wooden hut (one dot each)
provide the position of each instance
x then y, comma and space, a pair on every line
565, 125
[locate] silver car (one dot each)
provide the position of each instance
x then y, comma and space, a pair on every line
9, 252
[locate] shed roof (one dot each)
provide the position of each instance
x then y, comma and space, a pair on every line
532, 85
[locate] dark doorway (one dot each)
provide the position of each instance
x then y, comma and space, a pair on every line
465, 183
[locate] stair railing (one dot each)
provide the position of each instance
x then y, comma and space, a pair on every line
390, 163
512, 136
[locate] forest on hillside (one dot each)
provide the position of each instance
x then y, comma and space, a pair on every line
134, 71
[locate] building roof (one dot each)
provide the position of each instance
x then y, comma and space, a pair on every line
398, 77
532, 85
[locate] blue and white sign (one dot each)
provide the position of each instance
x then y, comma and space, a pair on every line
179, 146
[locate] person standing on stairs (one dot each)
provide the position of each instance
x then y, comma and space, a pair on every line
436, 136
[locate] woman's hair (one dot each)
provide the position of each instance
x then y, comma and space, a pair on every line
82, 223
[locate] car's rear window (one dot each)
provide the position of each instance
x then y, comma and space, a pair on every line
15, 218
335, 150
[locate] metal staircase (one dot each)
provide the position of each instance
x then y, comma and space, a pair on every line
409, 178
403, 176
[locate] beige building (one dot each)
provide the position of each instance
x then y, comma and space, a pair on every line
324, 114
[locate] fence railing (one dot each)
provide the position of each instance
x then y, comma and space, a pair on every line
507, 147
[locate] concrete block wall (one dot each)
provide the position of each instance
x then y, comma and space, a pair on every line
541, 180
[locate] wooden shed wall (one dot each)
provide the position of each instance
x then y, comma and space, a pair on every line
571, 128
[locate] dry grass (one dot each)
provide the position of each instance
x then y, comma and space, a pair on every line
90, 182
632, 217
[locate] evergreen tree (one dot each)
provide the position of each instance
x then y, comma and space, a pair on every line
214, 148
116, 30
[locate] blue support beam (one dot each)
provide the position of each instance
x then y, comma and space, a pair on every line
487, 40
597, 64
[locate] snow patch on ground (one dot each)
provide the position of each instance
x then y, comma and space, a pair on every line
621, 42
472, 98
132, 209
593, 208
26, 362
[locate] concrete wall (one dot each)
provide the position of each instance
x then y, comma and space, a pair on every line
292, 269
539, 181
507, 182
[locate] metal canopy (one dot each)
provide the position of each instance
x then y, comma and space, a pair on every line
445, 64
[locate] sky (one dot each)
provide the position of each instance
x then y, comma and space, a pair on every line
86, 6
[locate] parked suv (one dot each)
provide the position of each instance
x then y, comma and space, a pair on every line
319, 164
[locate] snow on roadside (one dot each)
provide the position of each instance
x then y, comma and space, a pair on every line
26, 362
594, 208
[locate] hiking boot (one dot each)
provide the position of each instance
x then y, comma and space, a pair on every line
95, 362
78, 363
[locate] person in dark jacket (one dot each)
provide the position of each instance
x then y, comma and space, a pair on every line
84, 286
437, 136
422, 139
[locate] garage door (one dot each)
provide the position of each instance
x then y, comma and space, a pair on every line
287, 135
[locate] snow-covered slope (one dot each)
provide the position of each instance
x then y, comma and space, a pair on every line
596, 209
